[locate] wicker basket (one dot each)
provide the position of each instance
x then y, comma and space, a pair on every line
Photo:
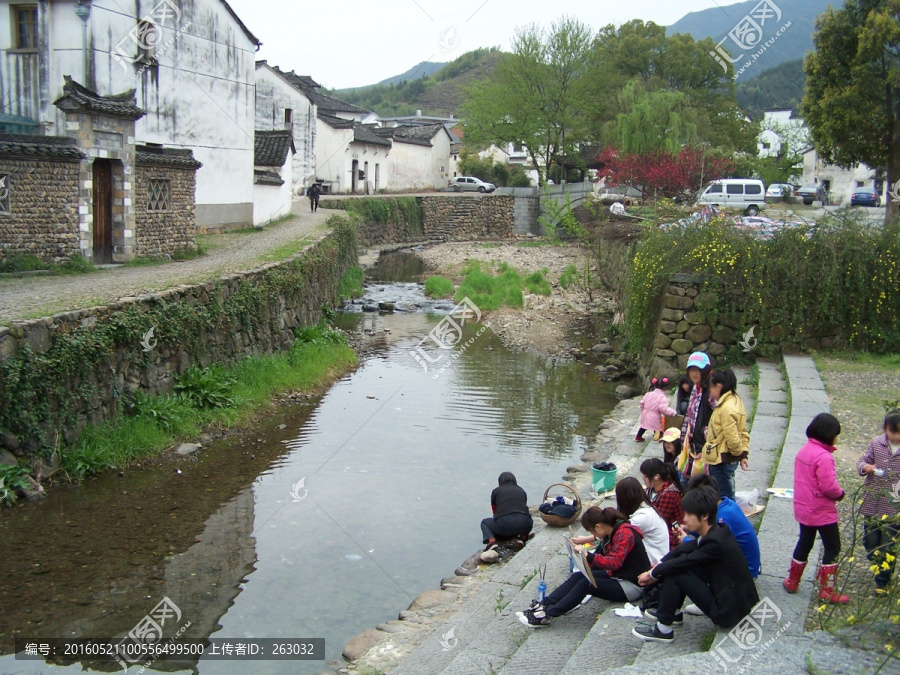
557, 521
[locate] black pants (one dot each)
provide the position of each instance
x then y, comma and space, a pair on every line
831, 542
506, 527
880, 539
641, 432
572, 591
691, 585
314, 204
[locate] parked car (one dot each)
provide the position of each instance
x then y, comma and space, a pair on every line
748, 194
865, 196
471, 184
620, 193
812, 193
779, 192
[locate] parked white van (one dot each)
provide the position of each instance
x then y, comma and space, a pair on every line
748, 194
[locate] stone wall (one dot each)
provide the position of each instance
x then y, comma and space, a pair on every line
159, 234
43, 210
60, 372
438, 218
687, 322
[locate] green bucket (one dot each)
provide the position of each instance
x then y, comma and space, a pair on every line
604, 481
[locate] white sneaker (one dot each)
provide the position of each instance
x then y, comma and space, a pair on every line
693, 610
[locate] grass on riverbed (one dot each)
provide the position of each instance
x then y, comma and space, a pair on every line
351, 285
317, 357
439, 287
491, 292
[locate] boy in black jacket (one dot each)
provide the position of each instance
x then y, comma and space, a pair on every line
711, 570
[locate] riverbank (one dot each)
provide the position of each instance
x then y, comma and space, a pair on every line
544, 323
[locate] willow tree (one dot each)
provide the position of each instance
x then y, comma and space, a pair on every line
852, 98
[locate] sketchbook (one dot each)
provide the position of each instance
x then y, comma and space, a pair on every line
578, 561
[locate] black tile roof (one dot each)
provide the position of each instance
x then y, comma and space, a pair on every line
266, 178
77, 98
182, 158
416, 135
61, 148
271, 148
361, 132
310, 88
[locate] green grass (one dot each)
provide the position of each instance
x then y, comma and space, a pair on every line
286, 250
491, 292
708, 639
439, 287
317, 357
568, 277
351, 285
18, 262
856, 361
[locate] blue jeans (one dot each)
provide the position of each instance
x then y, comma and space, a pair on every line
724, 475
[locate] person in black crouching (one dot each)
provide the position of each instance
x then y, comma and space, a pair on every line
710, 570
512, 519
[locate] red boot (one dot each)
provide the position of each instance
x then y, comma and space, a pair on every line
827, 574
793, 581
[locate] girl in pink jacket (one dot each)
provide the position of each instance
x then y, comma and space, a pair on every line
654, 405
816, 493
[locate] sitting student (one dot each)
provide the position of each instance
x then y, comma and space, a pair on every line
665, 491
710, 570
634, 504
729, 513
616, 565
511, 516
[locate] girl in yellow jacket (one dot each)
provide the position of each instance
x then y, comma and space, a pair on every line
727, 439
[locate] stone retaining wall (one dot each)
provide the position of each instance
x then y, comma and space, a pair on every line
60, 372
42, 219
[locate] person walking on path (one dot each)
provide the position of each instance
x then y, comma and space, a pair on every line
313, 193
727, 438
511, 518
696, 418
816, 493
880, 464
710, 570
616, 566
654, 405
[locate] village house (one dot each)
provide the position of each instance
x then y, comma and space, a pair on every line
149, 93
420, 157
350, 156
839, 183
273, 182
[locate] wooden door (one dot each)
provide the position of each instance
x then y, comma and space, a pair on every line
102, 212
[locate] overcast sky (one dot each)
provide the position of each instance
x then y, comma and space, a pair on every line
352, 43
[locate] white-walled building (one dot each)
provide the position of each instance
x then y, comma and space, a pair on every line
840, 182
282, 104
273, 176
780, 127
191, 66
420, 156
350, 157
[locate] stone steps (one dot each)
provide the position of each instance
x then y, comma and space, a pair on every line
592, 639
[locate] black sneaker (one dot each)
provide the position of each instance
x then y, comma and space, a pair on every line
677, 621
651, 632
535, 605
531, 619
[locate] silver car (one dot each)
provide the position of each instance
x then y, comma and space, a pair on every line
471, 184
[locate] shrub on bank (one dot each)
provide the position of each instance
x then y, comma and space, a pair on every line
839, 280
439, 287
491, 292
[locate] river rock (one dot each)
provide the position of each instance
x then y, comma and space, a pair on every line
624, 392
6, 457
386, 306
431, 599
206, 439
490, 557
10, 441
188, 448
358, 646
603, 348
370, 308
405, 307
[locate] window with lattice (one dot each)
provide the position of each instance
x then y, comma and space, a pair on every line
158, 194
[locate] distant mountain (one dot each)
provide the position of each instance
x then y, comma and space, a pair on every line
423, 69
793, 44
439, 93
778, 87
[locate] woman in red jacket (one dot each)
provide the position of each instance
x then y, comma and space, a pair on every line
816, 493
619, 561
